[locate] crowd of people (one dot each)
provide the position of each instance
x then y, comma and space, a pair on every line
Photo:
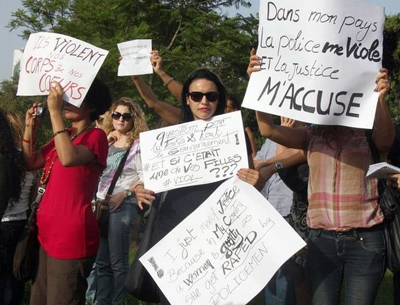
344, 232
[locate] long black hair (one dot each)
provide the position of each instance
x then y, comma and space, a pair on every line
208, 75
98, 99
9, 150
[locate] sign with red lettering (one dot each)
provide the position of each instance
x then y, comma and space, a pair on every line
225, 252
50, 57
319, 61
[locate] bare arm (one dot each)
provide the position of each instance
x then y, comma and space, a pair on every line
167, 112
286, 136
252, 142
68, 154
33, 160
383, 135
173, 86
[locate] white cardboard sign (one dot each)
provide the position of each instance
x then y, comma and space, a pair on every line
135, 57
225, 252
193, 153
320, 60
50, 57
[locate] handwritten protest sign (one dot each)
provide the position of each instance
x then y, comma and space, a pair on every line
193, 153
135, 57
320, 60
225, 252
50, 57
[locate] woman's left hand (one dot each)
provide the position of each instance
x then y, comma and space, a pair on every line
252, 177
116, 200
382, 83
55, 99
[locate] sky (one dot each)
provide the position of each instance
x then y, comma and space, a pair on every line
11, 40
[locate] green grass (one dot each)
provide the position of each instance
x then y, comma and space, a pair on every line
384, 297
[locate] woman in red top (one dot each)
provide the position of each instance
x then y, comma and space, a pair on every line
72, 163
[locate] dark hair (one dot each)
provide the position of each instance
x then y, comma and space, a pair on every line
208, 75
13, 156
98, 99
236, 103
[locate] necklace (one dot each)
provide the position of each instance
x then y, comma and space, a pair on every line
44, 178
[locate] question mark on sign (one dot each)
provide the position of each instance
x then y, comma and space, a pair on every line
234, 165
225, 169
217, 170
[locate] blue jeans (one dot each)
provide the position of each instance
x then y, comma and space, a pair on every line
356, 256
281, 288
113, 257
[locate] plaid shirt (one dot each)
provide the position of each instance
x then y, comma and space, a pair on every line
340, 198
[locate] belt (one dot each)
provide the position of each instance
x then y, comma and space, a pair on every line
348, 233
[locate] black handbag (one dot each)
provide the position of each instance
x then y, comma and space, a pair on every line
26, 256
389, 202
138, 281
100, 207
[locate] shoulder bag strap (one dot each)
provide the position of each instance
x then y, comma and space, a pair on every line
118, 172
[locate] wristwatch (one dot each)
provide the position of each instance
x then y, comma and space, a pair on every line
278, 165
128, 192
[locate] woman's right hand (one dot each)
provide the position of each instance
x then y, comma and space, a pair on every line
112, 136
143, 196
254, 63
31, 120
156, 62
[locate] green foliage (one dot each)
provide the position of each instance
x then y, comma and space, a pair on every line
189, 34
392, 62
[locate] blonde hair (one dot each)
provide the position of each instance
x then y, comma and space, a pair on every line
138, 120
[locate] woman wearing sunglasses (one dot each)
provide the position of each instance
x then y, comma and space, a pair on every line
203, 96
113, 257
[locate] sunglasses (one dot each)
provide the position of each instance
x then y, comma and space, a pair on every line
198, 96
125, 116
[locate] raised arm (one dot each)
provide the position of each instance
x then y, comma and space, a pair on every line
287, 136
173, 86
169, 113
68, 154
383, 133
33, 159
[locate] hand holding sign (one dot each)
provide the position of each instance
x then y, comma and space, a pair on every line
322, 77
51, 57
54, 100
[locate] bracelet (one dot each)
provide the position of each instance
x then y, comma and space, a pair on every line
169, 81
60, 131
26, 141
139, 184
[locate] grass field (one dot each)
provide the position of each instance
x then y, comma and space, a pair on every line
385, 295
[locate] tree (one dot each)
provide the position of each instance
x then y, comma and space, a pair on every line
391, 61
189, 34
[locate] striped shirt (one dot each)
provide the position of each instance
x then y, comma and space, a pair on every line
340, 197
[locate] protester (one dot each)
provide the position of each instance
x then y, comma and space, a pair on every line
11, 177
281, 288
180, 203
346, 232
72, 163
169, 113
113, 257
15, 218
